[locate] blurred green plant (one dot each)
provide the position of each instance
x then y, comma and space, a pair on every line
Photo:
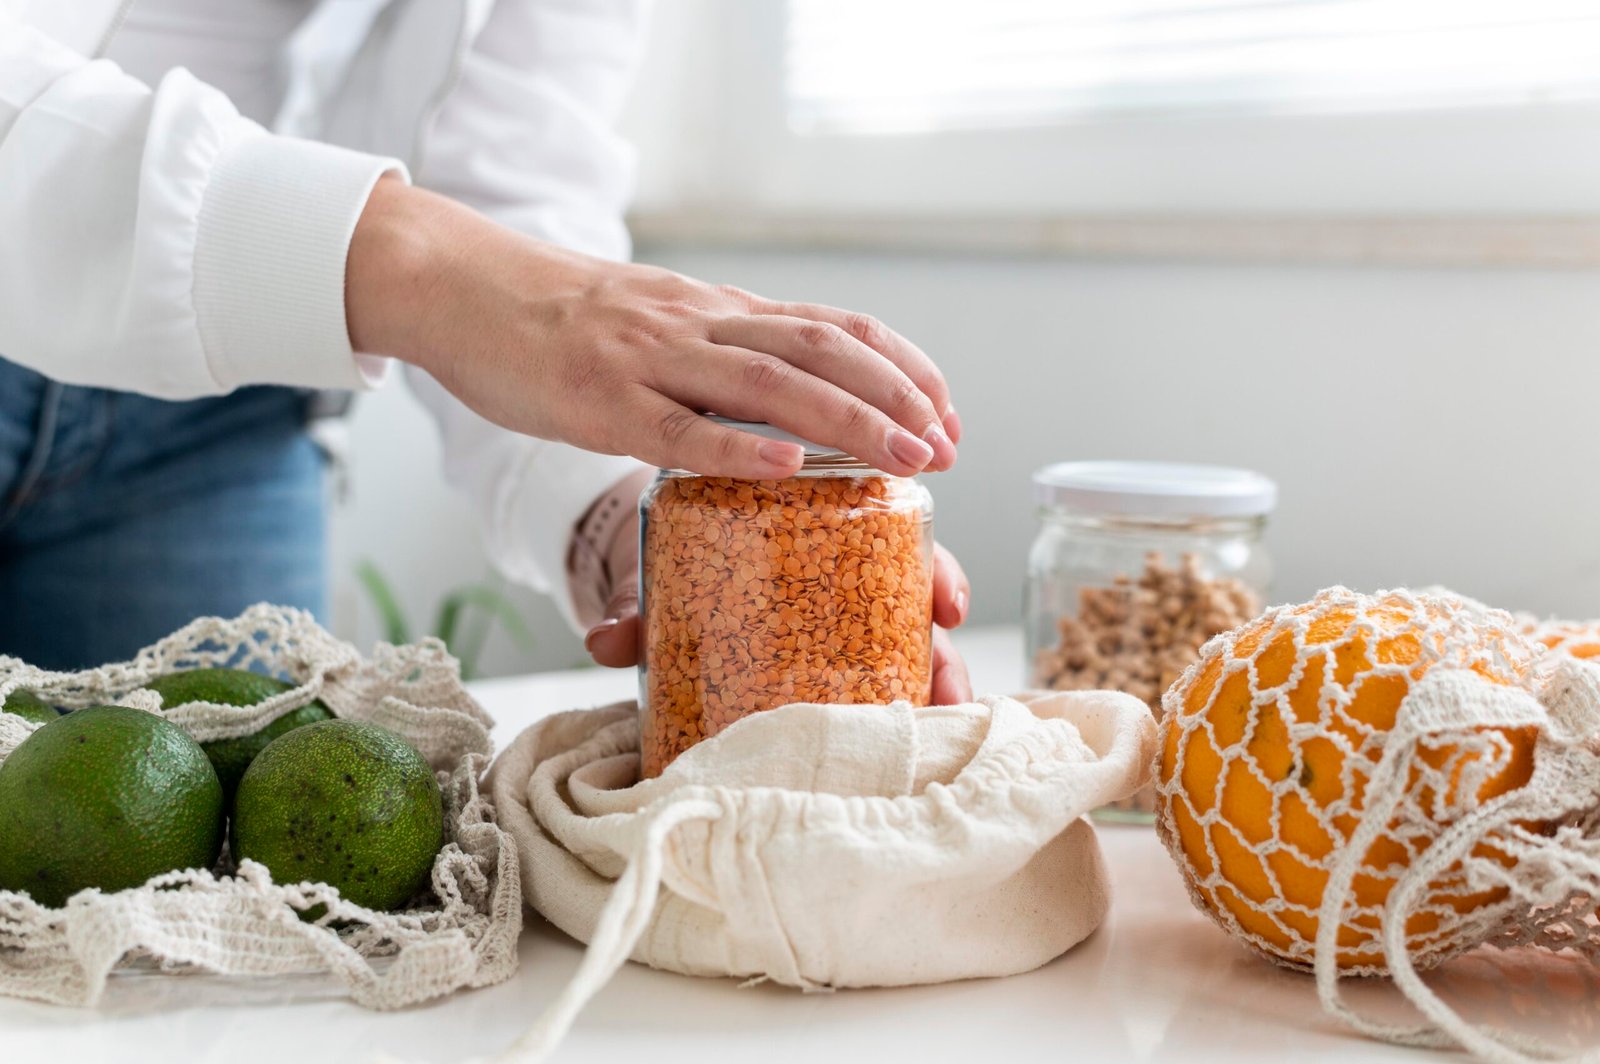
463, 621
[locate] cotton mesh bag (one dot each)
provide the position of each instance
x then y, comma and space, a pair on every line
1373, 785
239, 922
822, 846
1576, 639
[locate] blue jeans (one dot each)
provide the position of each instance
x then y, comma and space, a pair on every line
122, 518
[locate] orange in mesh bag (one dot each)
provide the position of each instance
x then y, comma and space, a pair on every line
1578, 639
1373, 784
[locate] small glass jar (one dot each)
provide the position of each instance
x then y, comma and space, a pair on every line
1136, 566
756, 594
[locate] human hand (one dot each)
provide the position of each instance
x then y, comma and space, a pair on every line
624, 359
615, 641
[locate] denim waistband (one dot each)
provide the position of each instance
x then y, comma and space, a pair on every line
51, 432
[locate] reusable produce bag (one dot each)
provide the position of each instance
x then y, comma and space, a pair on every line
244, 924
1478, 820
822, 846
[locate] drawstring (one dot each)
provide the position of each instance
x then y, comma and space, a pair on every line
1385, 790
622, 922
1449, 1031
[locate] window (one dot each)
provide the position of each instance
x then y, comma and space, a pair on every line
869, 66
869, 110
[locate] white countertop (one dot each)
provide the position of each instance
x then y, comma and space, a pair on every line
1158, 982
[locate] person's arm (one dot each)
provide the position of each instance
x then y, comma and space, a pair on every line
527, 139
619, 358
505, 289
155, 241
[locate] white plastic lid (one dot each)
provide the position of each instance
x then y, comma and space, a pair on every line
1155, 488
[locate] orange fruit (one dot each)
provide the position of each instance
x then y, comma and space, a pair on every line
1578, 639
1267, 746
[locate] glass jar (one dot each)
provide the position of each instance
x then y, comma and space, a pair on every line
756, 594
1136, 566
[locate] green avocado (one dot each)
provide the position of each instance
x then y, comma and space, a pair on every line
29, 706
345, 803
105, 797
234, 687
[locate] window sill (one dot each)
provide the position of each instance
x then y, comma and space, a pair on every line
1538, 242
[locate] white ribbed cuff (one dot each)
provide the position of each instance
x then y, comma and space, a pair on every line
274, 232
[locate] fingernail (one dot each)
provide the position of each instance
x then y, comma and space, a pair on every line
961, 606
604, 626
778, 453
943, 449
952, 424
908, 450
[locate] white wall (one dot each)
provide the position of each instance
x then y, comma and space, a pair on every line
1426, 426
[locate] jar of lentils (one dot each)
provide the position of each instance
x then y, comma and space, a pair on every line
756, 594
1136, 565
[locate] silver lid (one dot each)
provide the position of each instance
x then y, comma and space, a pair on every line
772, 432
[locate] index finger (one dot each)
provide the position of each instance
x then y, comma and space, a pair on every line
910, 358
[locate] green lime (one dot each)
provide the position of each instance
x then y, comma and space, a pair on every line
345, 803
234, 687
29, 706
105, 797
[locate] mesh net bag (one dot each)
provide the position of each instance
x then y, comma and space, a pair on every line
1576, 639
237, 921
1375, 784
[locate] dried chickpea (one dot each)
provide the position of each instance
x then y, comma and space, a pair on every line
1140, 633
756, 594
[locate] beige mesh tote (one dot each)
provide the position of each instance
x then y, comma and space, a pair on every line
465, 935
1388, 848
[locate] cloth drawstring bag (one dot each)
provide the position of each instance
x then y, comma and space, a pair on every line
822, 846
464, 935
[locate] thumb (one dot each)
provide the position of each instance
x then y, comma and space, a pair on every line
615, 640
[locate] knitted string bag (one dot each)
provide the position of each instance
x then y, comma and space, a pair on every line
236, 920
1376, 784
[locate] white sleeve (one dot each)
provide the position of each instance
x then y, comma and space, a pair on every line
527, 138
157, 242
528, 493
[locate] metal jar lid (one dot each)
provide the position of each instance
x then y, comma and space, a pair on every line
818, 459
772, 432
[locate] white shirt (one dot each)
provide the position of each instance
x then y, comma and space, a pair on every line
158, 240
238, 47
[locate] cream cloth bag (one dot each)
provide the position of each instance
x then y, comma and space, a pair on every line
822, 846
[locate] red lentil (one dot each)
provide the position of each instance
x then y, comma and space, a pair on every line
762, 593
